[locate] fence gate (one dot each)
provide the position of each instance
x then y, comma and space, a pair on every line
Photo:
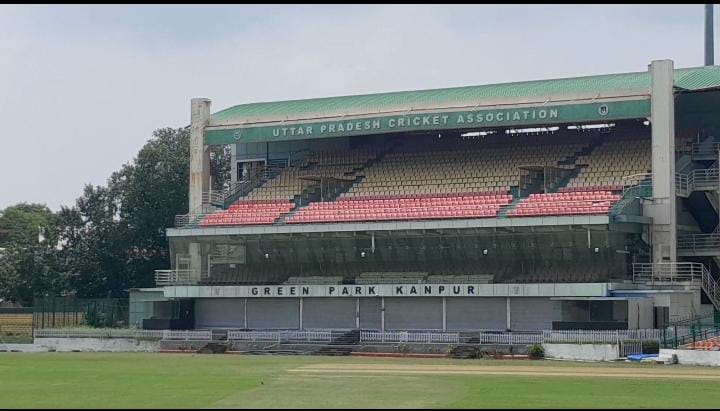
629, 347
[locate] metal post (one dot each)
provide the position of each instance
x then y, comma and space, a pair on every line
709, 46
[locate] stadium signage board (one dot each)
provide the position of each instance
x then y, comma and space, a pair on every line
432, 121
338, 290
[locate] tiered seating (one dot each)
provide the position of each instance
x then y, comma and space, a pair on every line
248, 213
332, 164
565, 203
611, 161
431, 168
314, 279
459, 279
391, 278
418, 207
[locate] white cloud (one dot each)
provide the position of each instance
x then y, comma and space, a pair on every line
76, 105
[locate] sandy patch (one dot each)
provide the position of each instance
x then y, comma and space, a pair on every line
498, 370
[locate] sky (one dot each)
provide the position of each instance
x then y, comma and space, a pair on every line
83, 87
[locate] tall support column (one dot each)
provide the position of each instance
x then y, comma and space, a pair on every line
507, 313
662, 207
199, 154
444, 301
300, 310
382, 314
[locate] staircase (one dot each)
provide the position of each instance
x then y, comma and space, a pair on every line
464, 352
711, 288
506, 208
341, 343
351, 337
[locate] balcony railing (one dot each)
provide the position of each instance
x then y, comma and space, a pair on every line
705, 151
698, 180
699, 242
176, 277
682, 272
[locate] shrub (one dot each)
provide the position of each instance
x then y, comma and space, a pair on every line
536, 352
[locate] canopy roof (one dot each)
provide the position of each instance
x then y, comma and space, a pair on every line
555, 90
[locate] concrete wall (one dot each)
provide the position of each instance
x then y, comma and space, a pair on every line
96, 344
470, 313
640, 313
584, 352
323, 313
534, 313
141, 305
417, 313
694, 357
220, 312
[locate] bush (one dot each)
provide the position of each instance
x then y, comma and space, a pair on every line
536, 352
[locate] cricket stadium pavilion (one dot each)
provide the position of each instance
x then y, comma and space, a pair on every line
576, 203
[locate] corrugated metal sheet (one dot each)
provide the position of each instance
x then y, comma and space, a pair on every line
689, 79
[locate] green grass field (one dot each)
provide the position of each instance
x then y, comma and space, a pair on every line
67, 380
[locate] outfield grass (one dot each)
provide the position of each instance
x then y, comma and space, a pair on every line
100, 380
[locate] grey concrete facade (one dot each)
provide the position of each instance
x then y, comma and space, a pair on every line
662, 206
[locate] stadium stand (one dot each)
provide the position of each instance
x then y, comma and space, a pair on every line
423, 178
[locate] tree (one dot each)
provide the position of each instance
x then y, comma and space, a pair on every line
20, 223
113, 238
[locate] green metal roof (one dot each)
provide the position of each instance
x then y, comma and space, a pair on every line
608, 85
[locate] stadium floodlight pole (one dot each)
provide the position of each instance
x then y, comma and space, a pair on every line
709, 45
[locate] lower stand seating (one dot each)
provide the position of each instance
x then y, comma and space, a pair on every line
566, 203
417, 207
248, 213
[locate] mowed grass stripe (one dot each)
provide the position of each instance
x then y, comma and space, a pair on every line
103, 380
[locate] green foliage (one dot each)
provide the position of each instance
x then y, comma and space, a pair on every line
536, 352
113, 238
20, 223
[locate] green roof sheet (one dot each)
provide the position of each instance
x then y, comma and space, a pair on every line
372, 104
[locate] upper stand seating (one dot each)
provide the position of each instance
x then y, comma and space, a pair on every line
248, 213
565, 203
415, 207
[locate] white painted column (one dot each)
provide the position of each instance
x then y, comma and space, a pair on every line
382, 314
507, 315
444, 300
301, 312
245, 308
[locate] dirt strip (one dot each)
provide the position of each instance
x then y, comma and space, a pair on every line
526, 371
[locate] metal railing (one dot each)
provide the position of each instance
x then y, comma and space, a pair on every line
600, 336
705, 179
510, 338
123, 333
201, 335
677, 272
409, 337
176, 277
702, 151
280, 336
699, 242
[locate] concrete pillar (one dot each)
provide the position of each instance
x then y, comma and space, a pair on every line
507, 311
300, 309
245, 313
662, 206
382, 314
444, 301
199, 153
357, 312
